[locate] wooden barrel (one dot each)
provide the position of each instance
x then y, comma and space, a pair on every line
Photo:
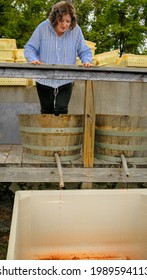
116, 135
44, 135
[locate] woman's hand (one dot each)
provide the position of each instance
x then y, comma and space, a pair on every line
36, 62
87, 64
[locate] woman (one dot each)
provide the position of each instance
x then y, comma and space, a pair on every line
57, 40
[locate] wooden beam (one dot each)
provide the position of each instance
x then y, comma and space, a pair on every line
72, 72
89, 125
72, 175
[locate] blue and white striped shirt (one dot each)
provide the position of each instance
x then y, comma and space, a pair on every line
45, 45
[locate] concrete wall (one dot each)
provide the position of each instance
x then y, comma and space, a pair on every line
112, 98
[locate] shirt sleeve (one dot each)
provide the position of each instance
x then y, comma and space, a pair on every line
83, 51
31, 49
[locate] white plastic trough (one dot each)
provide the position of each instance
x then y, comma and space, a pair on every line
72, 224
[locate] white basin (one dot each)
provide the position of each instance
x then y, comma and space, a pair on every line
72, 224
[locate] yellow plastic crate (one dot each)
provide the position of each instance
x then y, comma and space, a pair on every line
19, 55
16, 82
92, 45
122, 61
132, 60
6, 55
137, 61
6, 44
106, 57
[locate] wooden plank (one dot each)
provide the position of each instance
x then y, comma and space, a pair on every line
89, 125
72, 175
26, 162
4, 152
15, 156
89, 130
72, 72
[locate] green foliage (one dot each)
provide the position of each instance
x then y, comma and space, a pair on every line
22, 18
120, 24
112, 24
83, 11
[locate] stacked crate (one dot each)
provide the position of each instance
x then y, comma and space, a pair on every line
106, 58
132, 60
10, 53
7, 47
19, 55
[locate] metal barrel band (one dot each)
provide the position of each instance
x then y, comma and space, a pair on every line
118, 159
121, 147
51, 159
122, 133
49, 148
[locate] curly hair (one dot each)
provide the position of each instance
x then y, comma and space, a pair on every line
60, 9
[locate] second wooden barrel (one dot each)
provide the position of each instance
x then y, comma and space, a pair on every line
44, 135
120, 134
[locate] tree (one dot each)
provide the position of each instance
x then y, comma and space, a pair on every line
6, 11
83, 10
22, 18
120, 24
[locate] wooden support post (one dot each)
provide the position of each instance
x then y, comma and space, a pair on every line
89, 125
89, 129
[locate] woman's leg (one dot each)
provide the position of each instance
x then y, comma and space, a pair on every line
46, 97
62, 99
